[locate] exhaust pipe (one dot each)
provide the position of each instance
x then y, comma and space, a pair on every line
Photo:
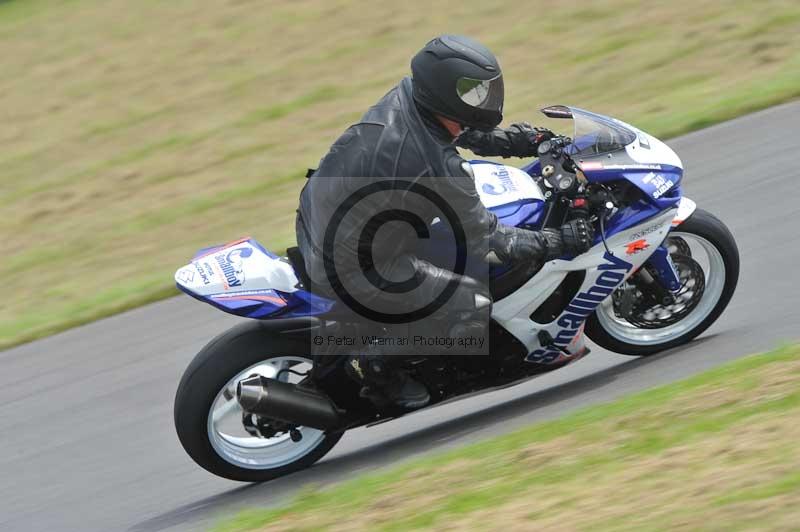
287, 402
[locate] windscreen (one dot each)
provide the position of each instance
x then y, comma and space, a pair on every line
594, 134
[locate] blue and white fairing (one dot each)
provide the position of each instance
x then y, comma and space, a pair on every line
245, 279
509, 193
607, 149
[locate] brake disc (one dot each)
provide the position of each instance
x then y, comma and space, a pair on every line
678, 246
647, 314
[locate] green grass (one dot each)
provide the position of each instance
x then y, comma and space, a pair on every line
717, 451
133, 137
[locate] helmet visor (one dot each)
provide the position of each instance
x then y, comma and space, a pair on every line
482, 93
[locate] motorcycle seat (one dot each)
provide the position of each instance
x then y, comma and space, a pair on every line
299, 266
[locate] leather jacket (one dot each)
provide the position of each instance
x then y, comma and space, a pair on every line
395, 144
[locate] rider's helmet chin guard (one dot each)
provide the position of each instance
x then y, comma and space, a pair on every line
460, 79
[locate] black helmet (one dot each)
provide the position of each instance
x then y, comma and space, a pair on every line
460, 79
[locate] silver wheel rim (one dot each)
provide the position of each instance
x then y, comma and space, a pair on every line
713, 265
235, 445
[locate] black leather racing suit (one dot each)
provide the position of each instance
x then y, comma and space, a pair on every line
396, 143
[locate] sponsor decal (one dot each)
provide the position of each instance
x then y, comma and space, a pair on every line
647, 230
264, 292
635, 166
232, 267
663, 189
204, 276
662, 185
489, 188
186, 275
636, 246
571, 320
506, 183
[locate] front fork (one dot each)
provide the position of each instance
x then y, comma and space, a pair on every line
663, 269
665, 280
656, 280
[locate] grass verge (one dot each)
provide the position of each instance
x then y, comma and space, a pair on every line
129, 144
717, 451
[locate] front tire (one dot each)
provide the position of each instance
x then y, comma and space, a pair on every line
710, 236
208, 418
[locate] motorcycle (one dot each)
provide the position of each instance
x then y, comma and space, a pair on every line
256, 404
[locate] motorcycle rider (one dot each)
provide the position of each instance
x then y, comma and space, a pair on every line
453, 98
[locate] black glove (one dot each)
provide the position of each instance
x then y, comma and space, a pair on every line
512, 244
537, 135
525, 139
518, 140
577, 236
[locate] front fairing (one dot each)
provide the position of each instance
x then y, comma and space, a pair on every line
606, 149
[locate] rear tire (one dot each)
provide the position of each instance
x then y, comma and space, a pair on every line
209, 373
709, 228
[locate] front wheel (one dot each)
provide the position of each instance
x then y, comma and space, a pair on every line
213, 428
707, 261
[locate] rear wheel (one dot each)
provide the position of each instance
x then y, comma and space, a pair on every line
213, 428
707, 261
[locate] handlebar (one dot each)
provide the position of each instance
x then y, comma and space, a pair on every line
568, 184
558, 169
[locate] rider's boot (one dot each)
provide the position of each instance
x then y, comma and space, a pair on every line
384, 385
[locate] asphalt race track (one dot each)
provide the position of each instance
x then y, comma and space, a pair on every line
87, 441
